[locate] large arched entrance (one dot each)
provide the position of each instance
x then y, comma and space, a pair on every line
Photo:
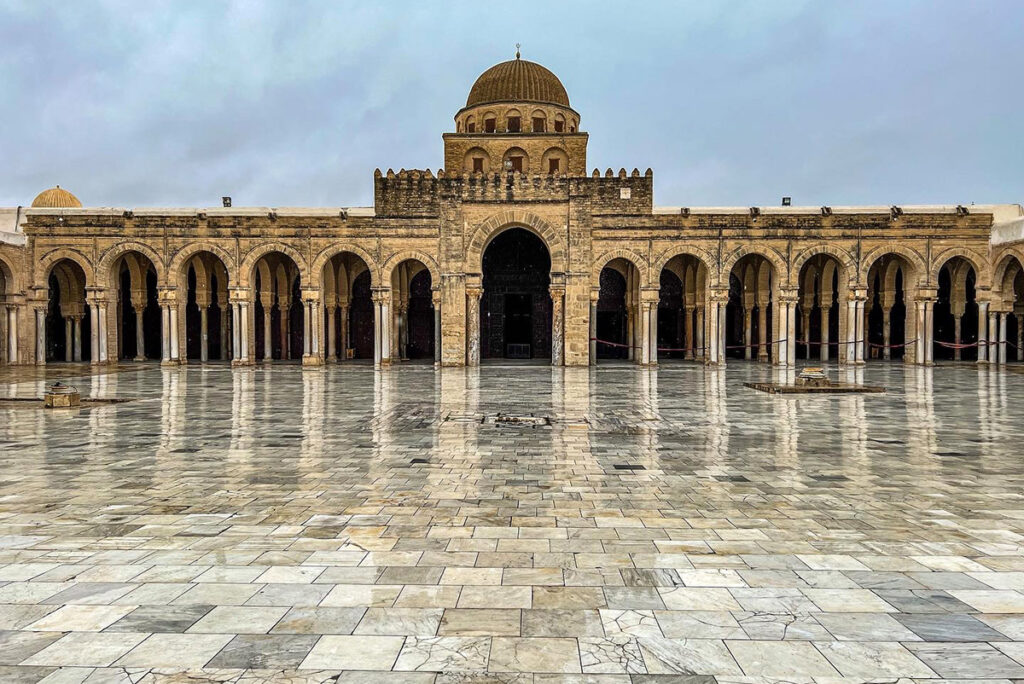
749, 315
278, 321
616, 300
515, 307
955, 317
413, 301
349, 307
68, 318
138, 311
820, 290
681, 299
890, 308
207, 314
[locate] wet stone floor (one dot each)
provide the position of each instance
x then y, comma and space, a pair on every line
511, 524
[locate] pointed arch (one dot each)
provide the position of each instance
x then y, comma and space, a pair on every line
396, 259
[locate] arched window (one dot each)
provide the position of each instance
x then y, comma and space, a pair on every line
490, 124
476, 161
516, 160
539, 121
559, 123
513, 121
470, 124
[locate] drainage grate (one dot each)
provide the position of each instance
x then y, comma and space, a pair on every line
629, 466
731, 478
829, 478
417, 461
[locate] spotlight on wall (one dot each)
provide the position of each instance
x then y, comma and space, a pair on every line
961, 210
226, 201
508, 164
60, 220
895, 212
787, 201
684, 212
343, 214
755, 212
128, 213
272, 216
826, 211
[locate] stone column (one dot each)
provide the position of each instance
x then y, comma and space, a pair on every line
204, 334
40, 336
403, 330
788, 348
138, 302
236, 339
385, 329
688, 343
557, 326
473, 326
76, 326
69, 339
701, 351
284, 307
332, 337
94, 346
222, 308
165, 333
748, 333
887, 328
594, 296
929, 331
243, 335
630, 332
826, 312
957, 323
12, 334
312, 324
805, 324
919, 353
983, 332
653, 327
1019, 313
175, 352
436, 301
267, 300
344, 328
762, 330
1002, 337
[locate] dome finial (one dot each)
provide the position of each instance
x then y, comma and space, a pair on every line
517, 50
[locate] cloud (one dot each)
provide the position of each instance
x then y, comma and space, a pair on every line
178, 103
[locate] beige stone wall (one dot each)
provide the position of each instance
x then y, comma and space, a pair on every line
446, 223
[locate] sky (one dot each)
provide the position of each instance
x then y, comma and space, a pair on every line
276, 103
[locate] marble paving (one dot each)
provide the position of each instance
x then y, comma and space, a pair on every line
515, 524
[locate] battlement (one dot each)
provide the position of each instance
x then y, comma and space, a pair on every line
418, 193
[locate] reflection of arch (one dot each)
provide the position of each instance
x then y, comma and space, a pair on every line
109, 258
336, 248
777, 261
499, 223
256, 253
633, 258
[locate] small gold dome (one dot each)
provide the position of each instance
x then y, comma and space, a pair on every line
56, 198
517, 80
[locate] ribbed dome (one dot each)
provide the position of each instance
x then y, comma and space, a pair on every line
517, 81
56, 198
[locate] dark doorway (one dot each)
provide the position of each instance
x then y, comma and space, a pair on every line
515, 309
612, 328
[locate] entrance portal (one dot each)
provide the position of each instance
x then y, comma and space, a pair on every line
515, 309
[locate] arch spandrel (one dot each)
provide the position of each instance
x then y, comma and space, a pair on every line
978, 262
180, 259
769, 254
328, 253
110, 256
638, 262
47, 261
499, 223
913, 259
393, 262
245, 271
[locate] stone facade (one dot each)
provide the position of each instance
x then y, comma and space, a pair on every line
256, 284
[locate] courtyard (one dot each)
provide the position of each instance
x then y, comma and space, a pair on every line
511, 524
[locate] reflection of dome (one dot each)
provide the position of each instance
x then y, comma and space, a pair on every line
56, 198
517, 81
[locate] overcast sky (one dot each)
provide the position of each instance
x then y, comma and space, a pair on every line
295, 103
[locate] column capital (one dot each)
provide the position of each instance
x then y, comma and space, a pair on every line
474, 292
310, 294
381, 296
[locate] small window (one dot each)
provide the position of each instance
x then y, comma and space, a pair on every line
559, 126
471, 127
517, 164
514, 124
478, 164
538, 124
553, 166
489, 125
